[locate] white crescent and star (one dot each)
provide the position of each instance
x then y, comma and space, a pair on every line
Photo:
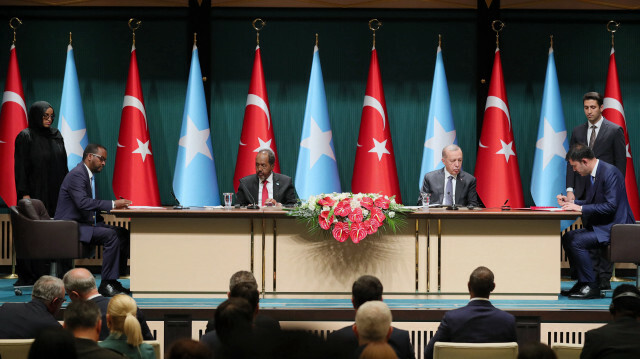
256, 100
493, 101
134, 102
10, 96
614, 104
372, 102
380, 148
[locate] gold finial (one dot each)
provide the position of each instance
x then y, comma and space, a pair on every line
497, 26
316, 39
14, 27
134, 24
612, 27
439, 40
374, 25
70, 40
258, 24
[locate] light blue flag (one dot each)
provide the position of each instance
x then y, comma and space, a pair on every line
71, 124
317, 170
194, 181
440, 129
549, 165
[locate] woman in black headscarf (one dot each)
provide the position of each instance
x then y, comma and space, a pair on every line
40, 167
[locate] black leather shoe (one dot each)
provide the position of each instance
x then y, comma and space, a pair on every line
605, 284
586, 292
120, 288
573, 289
108, 289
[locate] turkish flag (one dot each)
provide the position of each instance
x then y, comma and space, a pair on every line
375, 167
134, 176
13, 119
257, 127
497, 172
614, 112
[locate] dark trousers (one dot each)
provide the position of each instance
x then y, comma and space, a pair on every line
115, 244
578, 244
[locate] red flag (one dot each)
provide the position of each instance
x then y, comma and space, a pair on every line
375, 167
257, 127
13, 119
497, 172
614, 112
134, 176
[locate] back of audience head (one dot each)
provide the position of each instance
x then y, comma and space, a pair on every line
536, 350
121, 319
233, 320
50, 291
186, 348
625, 301
78, 282
83, 316
378, 350
373, 322
242, 276
364, 289
53, 343
481, 282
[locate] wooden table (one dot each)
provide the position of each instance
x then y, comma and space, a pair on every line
193, 253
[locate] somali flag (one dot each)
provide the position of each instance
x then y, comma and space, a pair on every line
195, 182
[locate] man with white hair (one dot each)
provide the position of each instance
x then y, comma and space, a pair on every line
373, 323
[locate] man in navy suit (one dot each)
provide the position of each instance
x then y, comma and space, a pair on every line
368, 288
266, 188
78, 202
451, 185
477, 322
606, 139
605, 204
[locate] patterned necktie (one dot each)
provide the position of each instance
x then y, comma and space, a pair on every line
592, 139
265, 191
448, 192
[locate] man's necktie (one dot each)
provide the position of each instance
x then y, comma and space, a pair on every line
265, 191
448, 192
93, 195
592, 139
593, 179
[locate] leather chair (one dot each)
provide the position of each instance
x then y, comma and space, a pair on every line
38, 236
625, 246
448, 350
567, 351
15, 348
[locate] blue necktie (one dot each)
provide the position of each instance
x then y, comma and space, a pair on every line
592, 179
448, 192
93, 195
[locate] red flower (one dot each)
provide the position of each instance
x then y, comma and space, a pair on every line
382, 202
341, 231
377, 214
325, 223
324, 214
343, 208
327, 201
356, 215
358, 232
371, 225
367, 202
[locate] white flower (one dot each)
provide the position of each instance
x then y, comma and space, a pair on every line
326, 208
355, 204
392, 214
365, 212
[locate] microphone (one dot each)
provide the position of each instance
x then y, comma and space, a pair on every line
178, 205
253, 204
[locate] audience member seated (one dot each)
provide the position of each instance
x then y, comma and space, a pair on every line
619, 339
125, 335
188, 349
477, 322
82, 318
25, 320
378, 351
52, 343
232, 336
81, 285
364, 289
536, 351
373, 324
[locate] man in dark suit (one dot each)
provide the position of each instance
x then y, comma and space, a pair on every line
605, 204
25, 320
477, 322
80, 285
451, 185
266, 188
78, 202
82, 318
618, 339
606, 139
368, 288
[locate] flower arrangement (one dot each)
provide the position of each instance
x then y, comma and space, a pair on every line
348, 215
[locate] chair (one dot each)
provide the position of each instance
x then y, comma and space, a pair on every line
156, 347
447, 350
625, 246
567, 351
37, 236
15, 348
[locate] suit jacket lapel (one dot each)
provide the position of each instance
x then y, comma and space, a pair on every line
604, 129
276, 187
440, 182
459, 185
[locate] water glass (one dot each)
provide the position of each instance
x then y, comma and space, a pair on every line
426, 198
228, 200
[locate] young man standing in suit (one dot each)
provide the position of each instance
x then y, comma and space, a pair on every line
451, 185
78, 202
606, 140
605, 204
266, 188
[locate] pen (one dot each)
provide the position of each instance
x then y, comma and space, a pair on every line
505, 202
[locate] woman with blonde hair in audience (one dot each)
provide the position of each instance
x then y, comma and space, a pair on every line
125, 334
378, 350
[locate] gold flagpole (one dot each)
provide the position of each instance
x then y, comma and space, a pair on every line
497, 26
258, 24
134, 24
374, 25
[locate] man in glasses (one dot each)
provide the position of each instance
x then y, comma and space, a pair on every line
25, 320
78, 201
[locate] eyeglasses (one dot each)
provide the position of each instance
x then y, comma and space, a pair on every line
47, 116
102, 159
